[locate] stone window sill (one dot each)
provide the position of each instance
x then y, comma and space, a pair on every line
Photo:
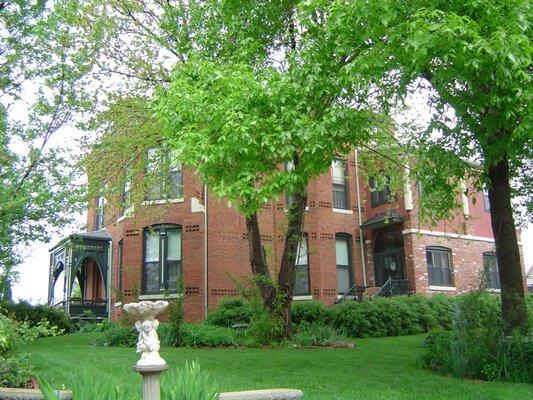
160, 296
341, 211
169, 201
306, 297
443, 288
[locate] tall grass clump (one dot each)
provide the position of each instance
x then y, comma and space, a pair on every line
477, 346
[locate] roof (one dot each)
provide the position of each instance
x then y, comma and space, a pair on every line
380, 220
101, 235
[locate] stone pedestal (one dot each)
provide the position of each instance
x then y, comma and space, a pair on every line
150, 376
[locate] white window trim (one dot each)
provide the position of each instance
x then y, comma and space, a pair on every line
494, 290
304, 297
160, 296
341, 211
443, 288
169, 201
118, 304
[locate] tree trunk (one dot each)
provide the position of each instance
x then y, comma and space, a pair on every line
286, 276
503, 227
258, 262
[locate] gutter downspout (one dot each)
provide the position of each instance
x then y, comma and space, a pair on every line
206, 281
361, 237
109, 279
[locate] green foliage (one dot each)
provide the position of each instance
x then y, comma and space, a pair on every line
477, 346
203, 335
15, 370
309, 311
168, 335
316, 334
188, 383
230, 311
35, 315
118, 336
400, 315
9, 336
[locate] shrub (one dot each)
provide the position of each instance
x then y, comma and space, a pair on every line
118, 336
188, 383
14, 370
400, 315
168, 335
478, 347
318, 335
308, 311
231, 311
9, 336
33, 315
205, 335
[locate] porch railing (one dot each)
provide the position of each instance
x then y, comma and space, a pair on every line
84, 308
392, 287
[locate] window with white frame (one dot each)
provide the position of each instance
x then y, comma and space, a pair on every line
343, 253
166, 175
340, 184
486, 202
301, 270
440, 269
99, 213
162, 259
490, 269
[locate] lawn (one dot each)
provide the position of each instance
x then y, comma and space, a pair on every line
385, 368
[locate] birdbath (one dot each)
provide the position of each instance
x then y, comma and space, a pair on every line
150, 365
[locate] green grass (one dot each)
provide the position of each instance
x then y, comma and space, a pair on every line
386, 368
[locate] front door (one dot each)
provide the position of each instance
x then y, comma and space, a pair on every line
387, 265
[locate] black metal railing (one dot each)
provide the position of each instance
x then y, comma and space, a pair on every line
355, 293
394, 287
84, 308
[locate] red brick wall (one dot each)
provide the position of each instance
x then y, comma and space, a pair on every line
228, 253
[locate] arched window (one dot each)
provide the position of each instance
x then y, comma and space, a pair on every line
343, 254
440, 269
162, 259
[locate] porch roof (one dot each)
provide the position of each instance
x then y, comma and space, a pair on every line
380, 220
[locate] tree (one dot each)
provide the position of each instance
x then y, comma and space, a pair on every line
42, 62
254, 85
474, 60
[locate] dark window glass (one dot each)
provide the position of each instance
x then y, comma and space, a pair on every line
343, 253
171, 186
378, 197
120, 269
162, 259
340, 184
490, 266
301, 281
99, 210
440, 272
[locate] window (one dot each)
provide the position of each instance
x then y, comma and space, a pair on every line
99, 214
162, 259
125, 204
439, 261
301, 281
340, 184
120, 252
490, 269
486, 202
171, 185
289, 197
343, 253
378, 197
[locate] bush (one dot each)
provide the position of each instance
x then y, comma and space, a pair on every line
115, 335
230, 312
318, 335
478, 347
168, 335
308, 311
400, 315
33, 315
14, 370
205, 335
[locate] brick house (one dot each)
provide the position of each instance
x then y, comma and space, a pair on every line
354, 238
